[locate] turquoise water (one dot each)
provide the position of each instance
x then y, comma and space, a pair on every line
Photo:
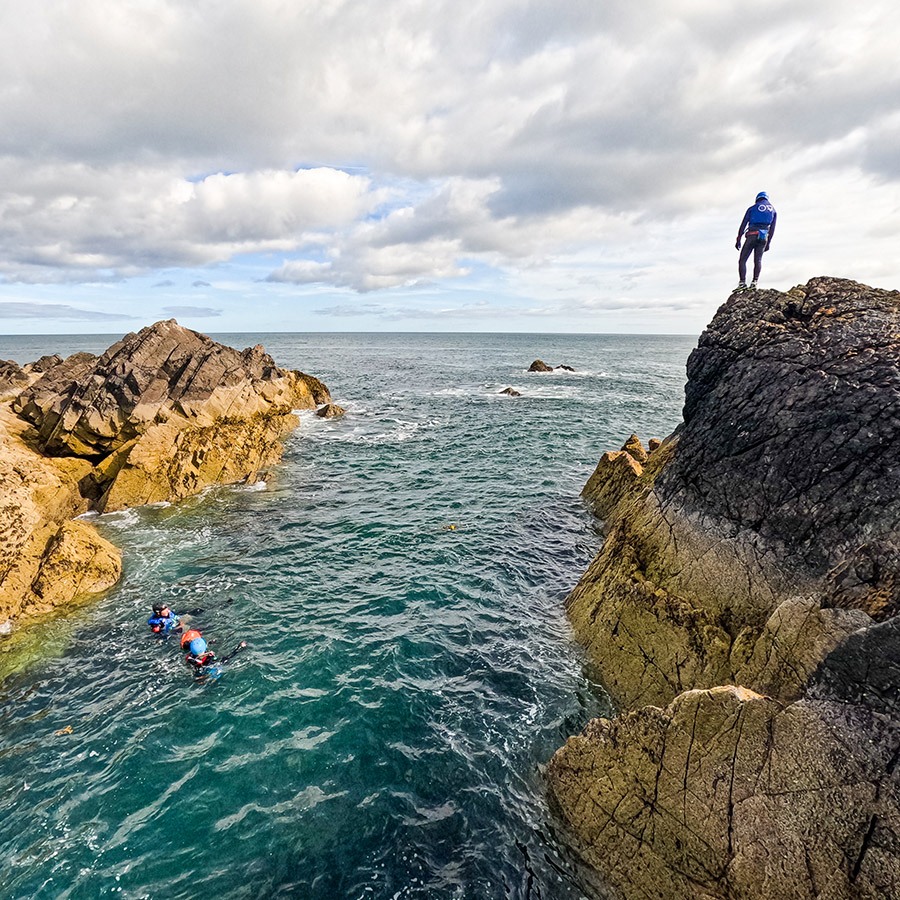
385, 733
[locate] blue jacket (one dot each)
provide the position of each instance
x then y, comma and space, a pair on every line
760, 215
163, 624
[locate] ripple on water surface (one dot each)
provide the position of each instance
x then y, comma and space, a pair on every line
410, 670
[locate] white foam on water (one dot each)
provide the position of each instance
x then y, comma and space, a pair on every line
254, 486
121, 518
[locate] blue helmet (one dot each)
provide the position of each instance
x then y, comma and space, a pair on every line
762, 195
198, 646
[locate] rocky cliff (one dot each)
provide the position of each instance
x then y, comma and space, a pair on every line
160, 415
742, 611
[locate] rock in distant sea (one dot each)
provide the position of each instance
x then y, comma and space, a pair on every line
743, 611
159, 416
511, 392
540, 366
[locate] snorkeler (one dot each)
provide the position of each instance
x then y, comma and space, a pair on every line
199, 657
163, 620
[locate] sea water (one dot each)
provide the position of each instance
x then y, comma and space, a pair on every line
400, 581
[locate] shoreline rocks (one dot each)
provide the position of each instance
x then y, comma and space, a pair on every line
159, 416
748, 562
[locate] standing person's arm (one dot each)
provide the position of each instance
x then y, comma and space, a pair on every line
744, 222
772, 230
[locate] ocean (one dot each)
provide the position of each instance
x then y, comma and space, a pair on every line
400, 581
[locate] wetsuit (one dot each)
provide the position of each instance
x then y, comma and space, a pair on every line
207, 659
163, 624
199, 663
759, 222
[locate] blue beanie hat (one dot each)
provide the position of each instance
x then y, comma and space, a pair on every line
198, 646
762, 195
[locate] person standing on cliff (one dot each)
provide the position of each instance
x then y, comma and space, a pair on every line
758, 229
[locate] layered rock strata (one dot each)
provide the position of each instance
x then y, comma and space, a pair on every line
159, 416
742, 612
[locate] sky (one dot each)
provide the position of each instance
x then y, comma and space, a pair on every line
424, 165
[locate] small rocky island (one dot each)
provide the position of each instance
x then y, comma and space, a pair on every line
743, 612
162, 414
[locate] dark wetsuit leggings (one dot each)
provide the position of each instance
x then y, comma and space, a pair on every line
757, 248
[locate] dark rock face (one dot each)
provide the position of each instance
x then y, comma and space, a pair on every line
791, 424
540, 366
13, 378
748, 589
45, 363
511, 392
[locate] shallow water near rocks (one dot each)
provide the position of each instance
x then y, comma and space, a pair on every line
400, 581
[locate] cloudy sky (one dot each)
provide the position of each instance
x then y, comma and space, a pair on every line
423, 165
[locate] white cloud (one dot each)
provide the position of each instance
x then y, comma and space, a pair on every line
75, 222
25, 309
581, 150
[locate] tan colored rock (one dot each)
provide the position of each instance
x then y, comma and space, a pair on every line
76, 563
781, 659
721, 794
634, 446
37, 497
614, 478
167, 412
161, 415
171, 461
759, 545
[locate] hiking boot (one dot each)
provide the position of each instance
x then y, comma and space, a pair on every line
752, 285
742, 286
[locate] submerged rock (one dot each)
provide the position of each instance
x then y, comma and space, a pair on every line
759, 545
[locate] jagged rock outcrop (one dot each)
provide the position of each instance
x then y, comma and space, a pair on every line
161, 415
758, 546
166, 412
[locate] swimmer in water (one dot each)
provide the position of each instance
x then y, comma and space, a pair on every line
163, 620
